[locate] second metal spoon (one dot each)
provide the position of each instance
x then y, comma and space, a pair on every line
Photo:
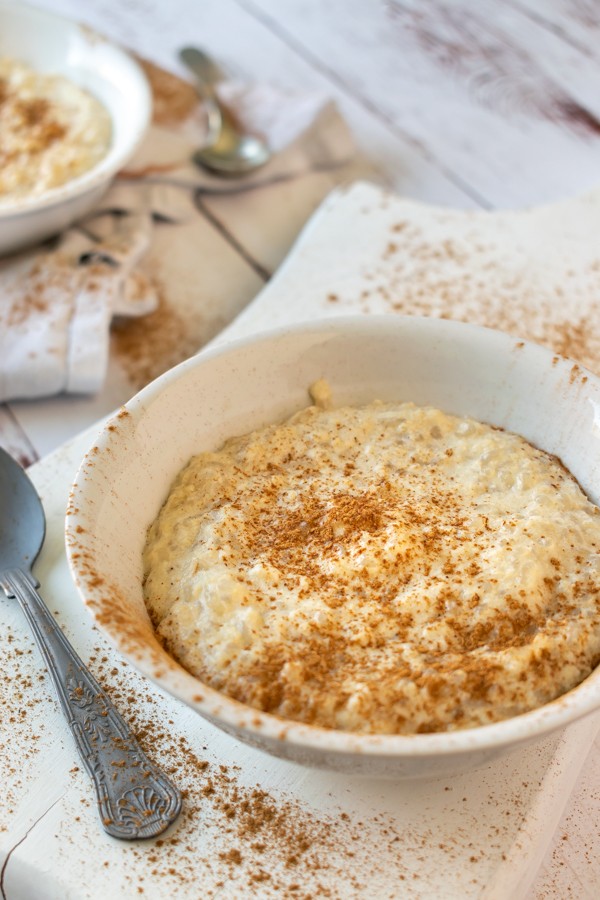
228, 152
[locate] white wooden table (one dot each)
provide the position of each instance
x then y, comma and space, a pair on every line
481, 104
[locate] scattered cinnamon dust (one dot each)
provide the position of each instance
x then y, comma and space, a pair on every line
462, 277
268, 844
173, 98
23, 717
148, 346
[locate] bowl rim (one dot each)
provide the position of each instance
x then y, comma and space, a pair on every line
580, 701
107, 167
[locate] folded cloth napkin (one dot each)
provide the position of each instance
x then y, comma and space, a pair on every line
56, 305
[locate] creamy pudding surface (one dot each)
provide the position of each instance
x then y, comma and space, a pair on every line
51, 131
388, 569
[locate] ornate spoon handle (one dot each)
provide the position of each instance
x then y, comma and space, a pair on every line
135, 798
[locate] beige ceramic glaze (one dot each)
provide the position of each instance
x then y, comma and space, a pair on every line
51, 44
461, 369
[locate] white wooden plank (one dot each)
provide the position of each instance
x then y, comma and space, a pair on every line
574, 21
267, 222
14, 440
501, 101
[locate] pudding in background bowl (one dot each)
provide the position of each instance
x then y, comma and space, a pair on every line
52, 131
232, 390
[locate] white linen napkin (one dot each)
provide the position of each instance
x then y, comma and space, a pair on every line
56, 305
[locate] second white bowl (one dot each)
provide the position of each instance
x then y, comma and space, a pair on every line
51, 44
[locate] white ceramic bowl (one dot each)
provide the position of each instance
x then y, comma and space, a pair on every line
51, 44
462, 369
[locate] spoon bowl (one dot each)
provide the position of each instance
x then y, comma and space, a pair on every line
229, 152
233, 155
22, 519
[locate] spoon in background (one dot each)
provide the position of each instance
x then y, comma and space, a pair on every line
135, 799
229, 152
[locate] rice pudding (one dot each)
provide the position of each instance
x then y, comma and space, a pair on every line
385, 569
51, 131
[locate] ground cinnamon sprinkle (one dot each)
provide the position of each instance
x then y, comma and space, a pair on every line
24, 715
266, 843
149, 345
451, 268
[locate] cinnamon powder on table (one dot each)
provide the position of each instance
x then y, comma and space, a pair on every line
231, 834
173, 98
466, 278
148, 346
256, 842
267, 844
23, 711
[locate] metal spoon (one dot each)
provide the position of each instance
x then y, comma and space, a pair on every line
135, 799
228, 151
